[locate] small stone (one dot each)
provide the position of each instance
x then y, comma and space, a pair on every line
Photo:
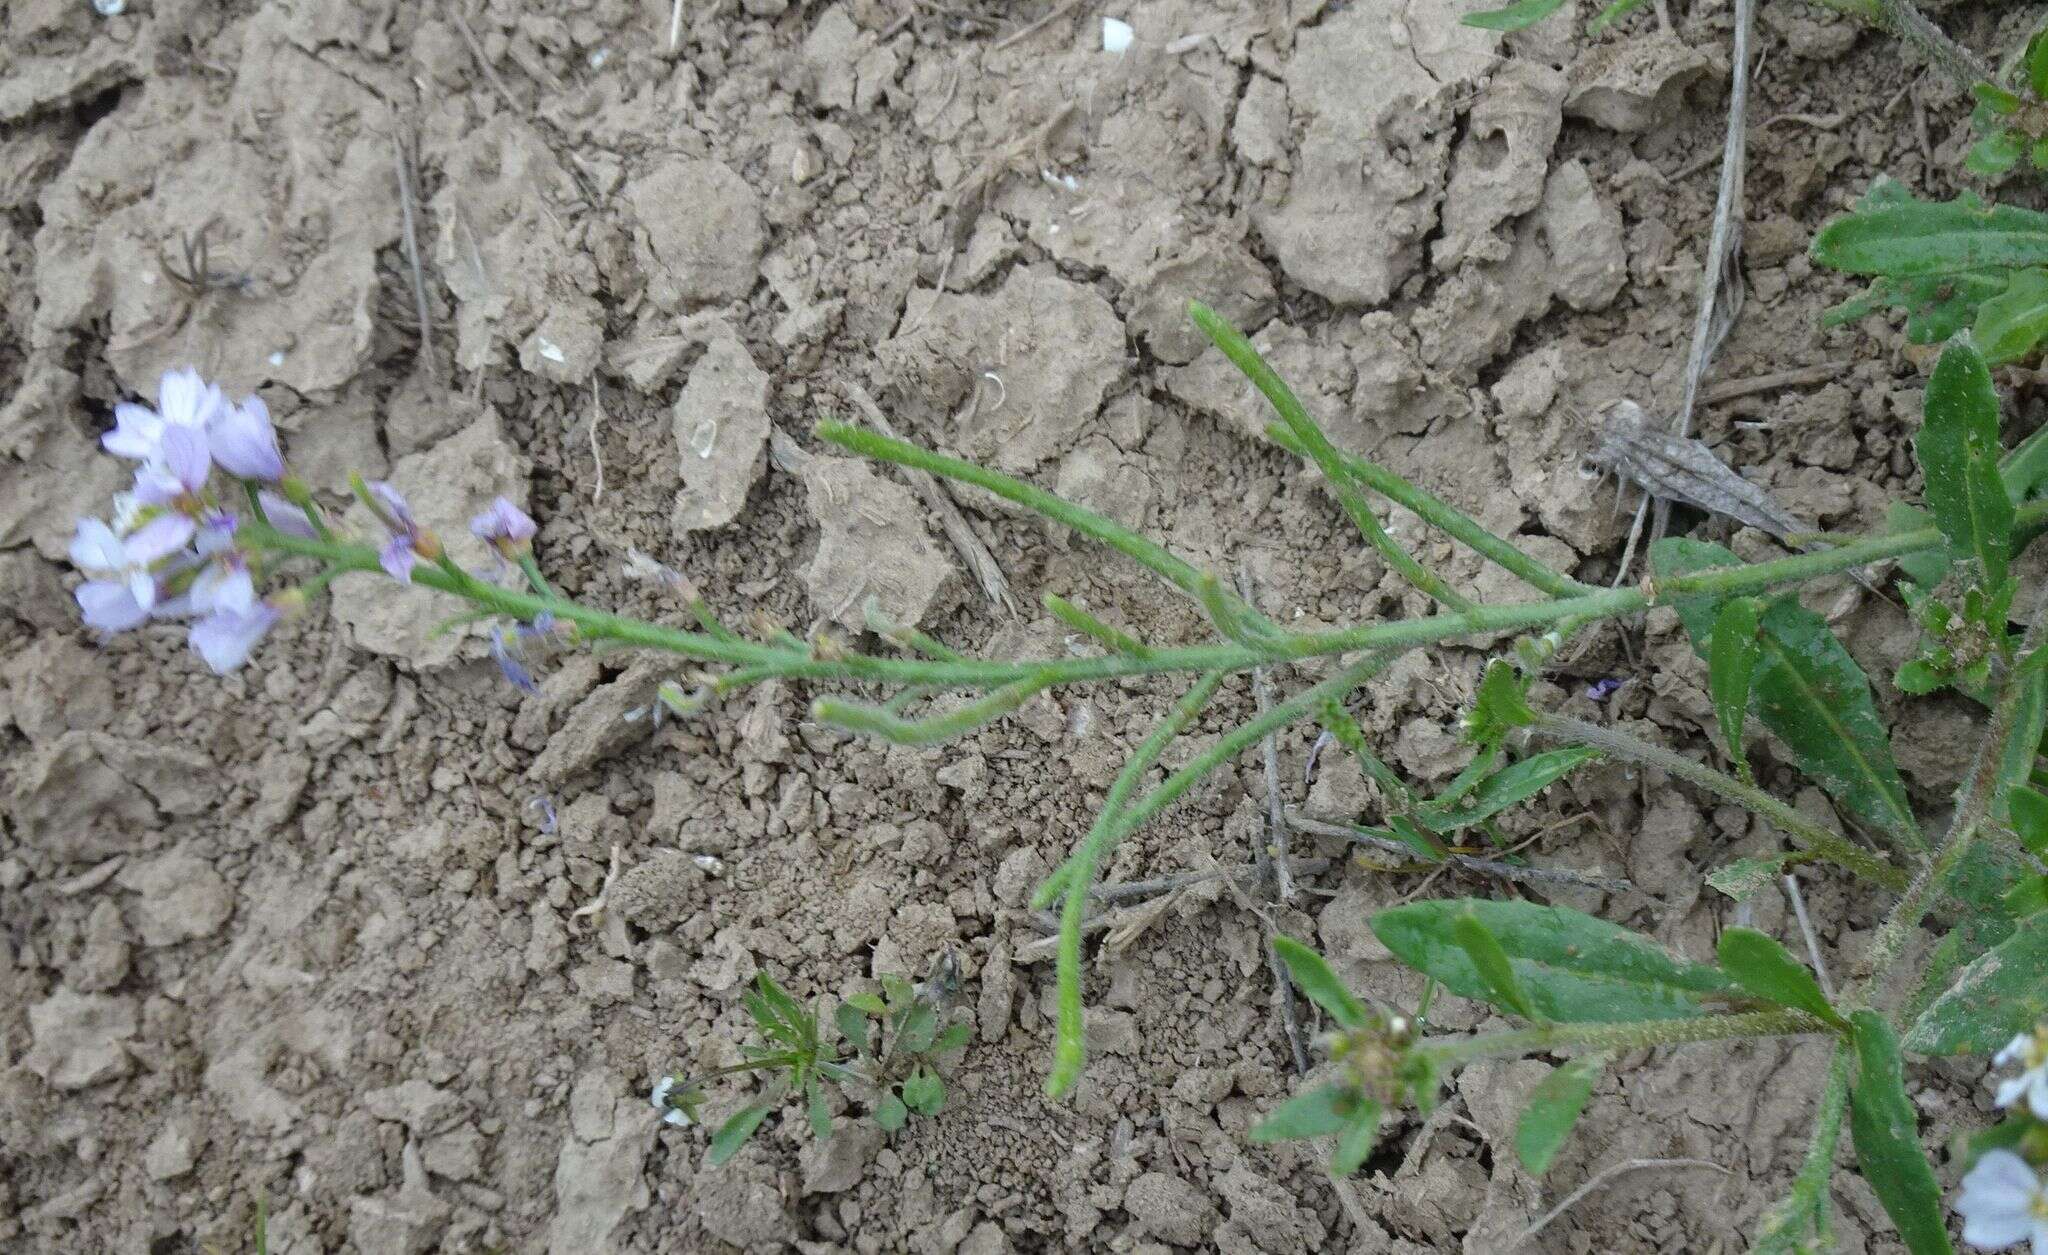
721, 426
172, 1152
183, 898
1169, 1208
701, 236
78, 1039
837, 1164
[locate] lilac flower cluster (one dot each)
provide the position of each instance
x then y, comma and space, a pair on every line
173, 549
169, 551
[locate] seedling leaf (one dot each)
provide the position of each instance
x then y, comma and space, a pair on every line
1508, 786
1745, 877
924, 1092
1572, 966
1356, 1141
890, 1113
1554, 1107
734, 1133
1998, 995
1958, 449
1491, 964
1768, 970
1317, 1112
1319, 984
821, 1115
1917, 238
1887, 1134
2011, 324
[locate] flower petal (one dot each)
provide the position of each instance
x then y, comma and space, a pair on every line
94, 547
159, 538
286, 517
137, 432
397, 558
187, 456
224, 586
224, 638
245, 442
109, 606
184, 399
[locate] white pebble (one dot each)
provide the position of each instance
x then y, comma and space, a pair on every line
109, 8
1116, 35
276, 359
552, 351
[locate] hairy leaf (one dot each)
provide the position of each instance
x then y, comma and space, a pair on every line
734, 1133
890, 1113
1768, 970
1732, 655
1999, 995
1356, 1141
1319, 984
2011, 324
1571, 966
1973, 892
1924, 238
1810, 693
1515, 783
1491, 964
1317, 1112
1887, 1134
924, 1092
1554, 1107
1958, 449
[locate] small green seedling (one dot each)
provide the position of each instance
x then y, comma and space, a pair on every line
893, 1077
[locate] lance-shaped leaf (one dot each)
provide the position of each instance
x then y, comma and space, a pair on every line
1887, 1133
1810, 693
1356, 1141
1764, 968
1318, 1112
1554, 1107
1922, 238
1504, 788
1999, 995
1746, 877
734, 1133
1977, 885
1732, 655
2011, 324
1515, 16
1958, 449
1570, 966
1319, 984
1491, 964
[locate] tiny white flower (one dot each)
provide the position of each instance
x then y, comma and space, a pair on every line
1116, 35
2030, 1051
659, 1097
2003, 1204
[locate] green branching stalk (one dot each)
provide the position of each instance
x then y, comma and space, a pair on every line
881, 722
1633, 1035
1806, 834
1110, 638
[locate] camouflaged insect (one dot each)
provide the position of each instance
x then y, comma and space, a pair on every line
1679, 469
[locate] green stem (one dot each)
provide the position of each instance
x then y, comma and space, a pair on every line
1110, 638
882, 722
534, 579
1806, 834
1631, 1035
1784, 1227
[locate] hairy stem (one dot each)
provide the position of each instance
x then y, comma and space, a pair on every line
1806, 834
1785, 1224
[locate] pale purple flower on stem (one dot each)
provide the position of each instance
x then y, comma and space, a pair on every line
514, 670
398, 558
225, 585
397, 514
401, 553
183, 399
504, 525
180, 469
108, 606
245, 443
2003, 1204
2030, 1087
225, 637
126, 561
286, 517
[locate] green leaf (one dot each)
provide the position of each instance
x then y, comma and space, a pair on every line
1998, 996
2030, 819
821, 1115
1768, 970
1554, 1107
1502, 704
2005, 1135
1732, 654
1936, 306
1572, 966
1746, 877
1355, 1143
1810, 693
924, 1092
2011, 324
955, 1037
1928, 567
1974, 891
2002, 102
1491, 963
1921, 676
2028, 897
890, 1113
1995, 154
1410, 831
1958, 449
919, 1026
1504, 788
2022, 747
1317, 1112
2037, 64
1515, 16
867, 1004
1612, 14
734, 1133
1319, 984
1887, 1134
2023, 469
1922, 238
853, 1025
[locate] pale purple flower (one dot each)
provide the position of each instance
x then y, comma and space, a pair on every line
2003, 1204
1601, 690
225, 637
503, 525
401, 552
245, 443
2030, 1087
180, 469
183, 399
126, 560
515, 671
108, 606
225, 585
286, 517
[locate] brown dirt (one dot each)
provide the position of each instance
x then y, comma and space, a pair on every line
302, 934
